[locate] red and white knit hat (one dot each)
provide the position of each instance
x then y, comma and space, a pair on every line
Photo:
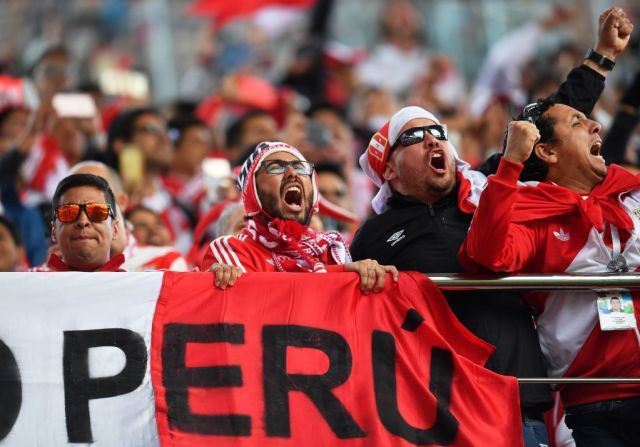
247, 177
375, 158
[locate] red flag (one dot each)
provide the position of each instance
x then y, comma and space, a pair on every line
306, 359
225, 10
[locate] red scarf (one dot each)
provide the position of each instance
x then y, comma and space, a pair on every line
546, 200
296, 247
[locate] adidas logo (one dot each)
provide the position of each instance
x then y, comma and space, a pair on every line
561, 235
396, 237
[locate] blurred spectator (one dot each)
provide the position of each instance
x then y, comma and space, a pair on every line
140, 140
617, 146
51, 72
504, 72
12, 254
332, 186
231, 221
137, 258
13, 122
401, 46
147, 227
28, 220
192, 142
248, 130
331, 140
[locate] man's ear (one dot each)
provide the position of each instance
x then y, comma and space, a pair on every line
53, 233
546, 152
114, 227
390, 171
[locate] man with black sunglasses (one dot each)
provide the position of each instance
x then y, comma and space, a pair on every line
83, 226
425, 205
280, 195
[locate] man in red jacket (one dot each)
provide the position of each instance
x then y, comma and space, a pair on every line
578, 216
280, 194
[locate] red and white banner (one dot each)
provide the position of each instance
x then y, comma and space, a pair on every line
165, 359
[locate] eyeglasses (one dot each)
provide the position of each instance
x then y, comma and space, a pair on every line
531, 112
96, 212
418, 134
280, 166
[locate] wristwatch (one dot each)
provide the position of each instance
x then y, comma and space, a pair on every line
599, 59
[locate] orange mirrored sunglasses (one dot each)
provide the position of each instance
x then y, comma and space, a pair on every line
96, 212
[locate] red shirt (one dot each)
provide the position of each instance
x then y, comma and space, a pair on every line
56, 264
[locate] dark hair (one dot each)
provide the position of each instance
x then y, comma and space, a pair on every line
75, 180
534, 168
330, 167
122, 126
326, 107
13, 230
178, 126
234, 133
142, 208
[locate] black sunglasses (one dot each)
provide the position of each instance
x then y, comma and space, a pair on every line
418, 134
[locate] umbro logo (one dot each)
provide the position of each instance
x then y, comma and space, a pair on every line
396, 237
561, 235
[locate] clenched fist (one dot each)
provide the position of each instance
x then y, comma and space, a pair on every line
521, 137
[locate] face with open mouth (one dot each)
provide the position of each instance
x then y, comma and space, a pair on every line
424, 170
577, 143
287, 195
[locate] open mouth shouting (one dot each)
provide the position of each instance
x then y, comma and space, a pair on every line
438, 161
595, 148
292, 197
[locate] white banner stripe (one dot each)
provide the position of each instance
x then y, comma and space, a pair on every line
49, 321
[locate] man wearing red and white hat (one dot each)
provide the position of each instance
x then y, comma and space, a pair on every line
280, 194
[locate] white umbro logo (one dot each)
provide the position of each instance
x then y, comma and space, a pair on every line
396, 237
561, 235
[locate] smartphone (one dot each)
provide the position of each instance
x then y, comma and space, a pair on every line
74, 105
217, 177
131, 167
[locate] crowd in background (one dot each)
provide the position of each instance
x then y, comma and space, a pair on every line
276, 74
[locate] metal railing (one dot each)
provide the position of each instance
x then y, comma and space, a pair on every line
537, 282
613, 281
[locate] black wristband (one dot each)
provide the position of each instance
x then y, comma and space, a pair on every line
599, 59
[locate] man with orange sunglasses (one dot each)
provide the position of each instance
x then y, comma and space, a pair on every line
84, 225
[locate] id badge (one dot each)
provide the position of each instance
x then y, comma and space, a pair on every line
615, 311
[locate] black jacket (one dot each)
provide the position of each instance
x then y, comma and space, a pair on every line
417, 237
425, 238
